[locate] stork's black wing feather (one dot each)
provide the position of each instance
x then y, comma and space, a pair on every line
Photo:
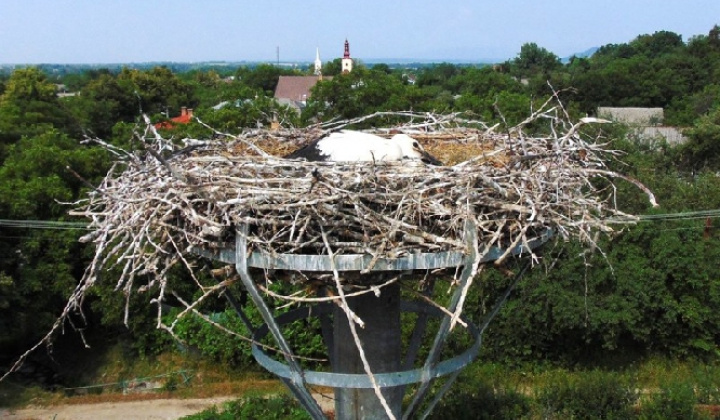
310, 152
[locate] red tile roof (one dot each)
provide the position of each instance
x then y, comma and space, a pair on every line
185, 117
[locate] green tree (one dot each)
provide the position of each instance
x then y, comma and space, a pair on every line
264, 77
533, 60
210, 96
485, 82
438, 75
332, 68
652, 289
657, 44
382, 67
356, 94
29, 105
105, 101
159, 90
702, 151
108, 99
39, 268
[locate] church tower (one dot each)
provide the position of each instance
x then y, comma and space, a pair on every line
318, 63
347, 62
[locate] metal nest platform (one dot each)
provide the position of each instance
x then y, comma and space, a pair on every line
369, 379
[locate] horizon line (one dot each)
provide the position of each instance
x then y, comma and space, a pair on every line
270, 61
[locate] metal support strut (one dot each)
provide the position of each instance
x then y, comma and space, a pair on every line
295, 382
354, 394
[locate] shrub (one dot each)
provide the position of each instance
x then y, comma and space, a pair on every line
594, 395
675, 400
477, 400
277, 407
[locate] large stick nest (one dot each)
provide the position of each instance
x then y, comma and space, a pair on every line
156, 205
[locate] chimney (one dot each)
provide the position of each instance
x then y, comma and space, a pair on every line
183, 111
189, 112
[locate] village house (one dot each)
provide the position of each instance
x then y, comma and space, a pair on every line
646, 124
294, 91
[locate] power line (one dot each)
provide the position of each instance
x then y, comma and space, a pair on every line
43, 224
702, 214
690, 215
54, 224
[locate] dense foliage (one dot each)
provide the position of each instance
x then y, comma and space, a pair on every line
278, 407
653, 289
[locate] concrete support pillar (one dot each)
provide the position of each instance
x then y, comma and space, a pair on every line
381, 341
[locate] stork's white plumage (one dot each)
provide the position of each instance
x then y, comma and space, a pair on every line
355, 146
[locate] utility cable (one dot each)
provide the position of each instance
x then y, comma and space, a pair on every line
42, 224
53, 224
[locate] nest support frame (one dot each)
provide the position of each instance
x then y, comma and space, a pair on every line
356, 392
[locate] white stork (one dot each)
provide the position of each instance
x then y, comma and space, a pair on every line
355, 146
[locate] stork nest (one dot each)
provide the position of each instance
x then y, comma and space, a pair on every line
153, 207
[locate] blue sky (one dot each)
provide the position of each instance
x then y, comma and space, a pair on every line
105, 31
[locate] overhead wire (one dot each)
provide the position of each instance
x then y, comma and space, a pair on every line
43, 224
56, 224
702, 214
691, 215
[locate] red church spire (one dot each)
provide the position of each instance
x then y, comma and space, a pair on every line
347, 49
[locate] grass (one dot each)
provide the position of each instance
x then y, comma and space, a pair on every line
13, 395
115, 366
655, 388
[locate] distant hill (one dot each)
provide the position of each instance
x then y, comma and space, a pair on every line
584, 54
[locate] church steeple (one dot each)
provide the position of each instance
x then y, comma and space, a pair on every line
347, 62
318, 63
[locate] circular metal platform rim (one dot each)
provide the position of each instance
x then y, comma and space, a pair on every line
362, 262
383, 380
